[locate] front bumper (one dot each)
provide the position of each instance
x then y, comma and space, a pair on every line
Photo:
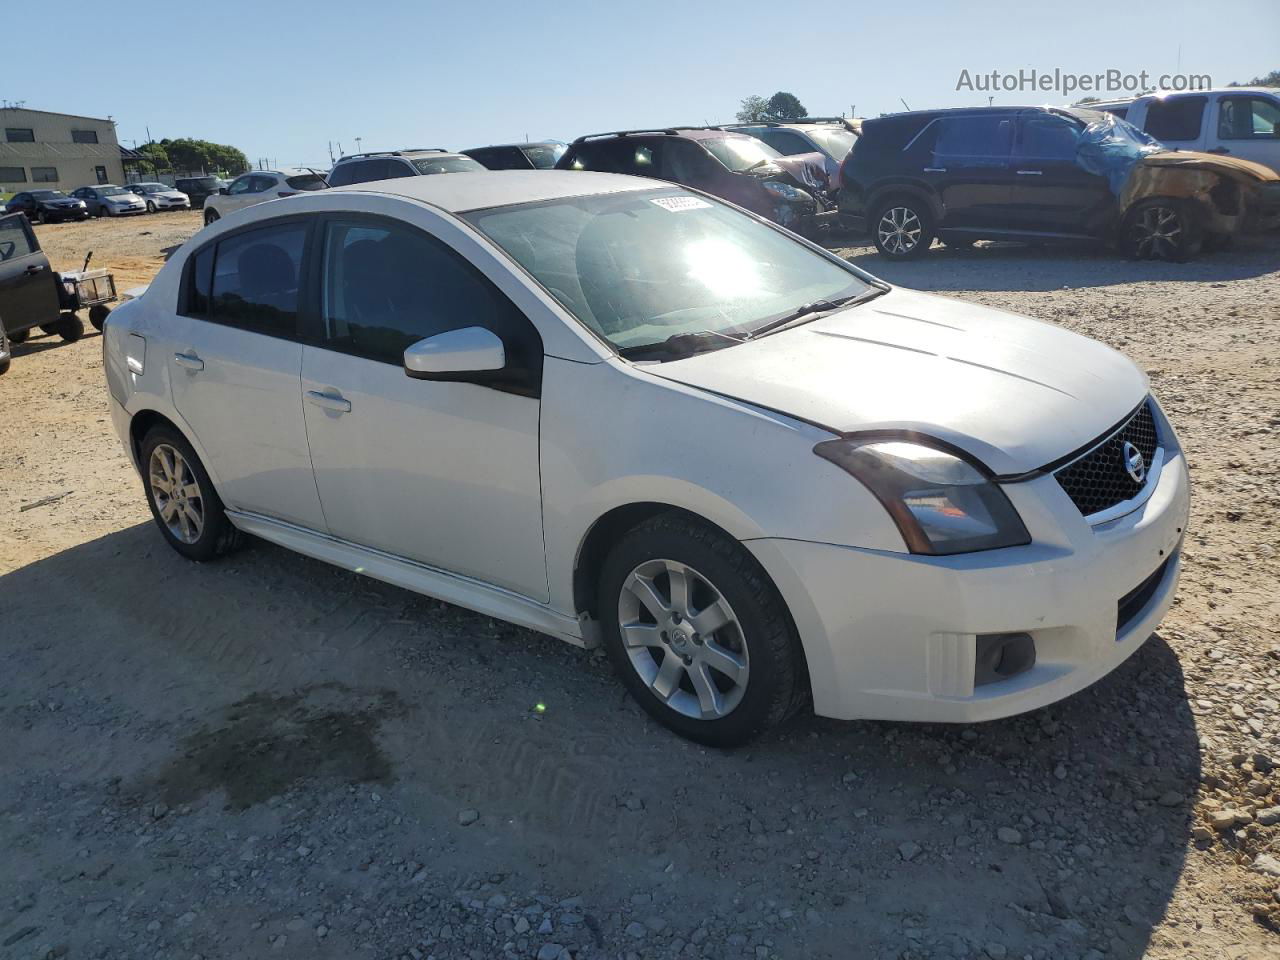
893, 636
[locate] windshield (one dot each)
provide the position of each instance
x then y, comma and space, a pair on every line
111, 191
148, 187
47, 194
837, 141
642, 267
427, 165
544, 156
740, 153
306, 181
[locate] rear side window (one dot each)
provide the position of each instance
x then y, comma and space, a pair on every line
501, 158
309, 181
250, 280
640, 158
14, 241
1177, 119
974, 137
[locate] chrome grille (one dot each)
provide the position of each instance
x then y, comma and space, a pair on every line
1099, 479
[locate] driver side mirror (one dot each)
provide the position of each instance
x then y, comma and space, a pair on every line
468, 354
224, 190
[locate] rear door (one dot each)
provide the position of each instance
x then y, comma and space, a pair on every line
1178, 121
235, 360
1051, 192
28, 289
969, 168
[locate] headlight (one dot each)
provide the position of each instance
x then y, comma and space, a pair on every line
784, 190
941, 503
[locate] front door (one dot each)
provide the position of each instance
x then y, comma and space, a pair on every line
235, 363
28, 290
443, 473
1249, 128
1052, 193
100, 173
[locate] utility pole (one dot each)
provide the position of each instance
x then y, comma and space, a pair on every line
358, 139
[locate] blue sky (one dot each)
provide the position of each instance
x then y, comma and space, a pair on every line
281, 80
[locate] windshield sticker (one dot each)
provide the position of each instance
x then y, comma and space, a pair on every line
679, 204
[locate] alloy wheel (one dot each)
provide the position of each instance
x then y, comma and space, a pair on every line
899, 230
683, 639
1157, 233
176, 493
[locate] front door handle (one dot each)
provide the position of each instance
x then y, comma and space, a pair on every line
935, 169
34, 268
188, 360
1030, 173
329, 401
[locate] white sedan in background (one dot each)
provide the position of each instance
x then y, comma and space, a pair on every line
258, 187
159, 196
622, 412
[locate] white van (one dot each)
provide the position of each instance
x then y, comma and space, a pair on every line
1242, 122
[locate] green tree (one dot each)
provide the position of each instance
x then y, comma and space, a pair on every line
786, 106
753, 109
184, 154
1271, 79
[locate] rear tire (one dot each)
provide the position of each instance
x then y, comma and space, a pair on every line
69, 327
698, 633
1159, 229
902, 228
211, 216
182, 499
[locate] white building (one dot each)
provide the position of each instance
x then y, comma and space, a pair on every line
56, 151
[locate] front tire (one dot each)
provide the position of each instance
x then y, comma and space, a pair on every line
19, 337
151, 207
98, 314
1158, 229
69, 327
211, 216
902, 228
180, 494
698, 633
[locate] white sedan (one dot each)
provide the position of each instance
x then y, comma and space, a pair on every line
258, 187
158, 196
626, 413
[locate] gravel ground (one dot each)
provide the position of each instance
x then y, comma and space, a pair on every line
268, 756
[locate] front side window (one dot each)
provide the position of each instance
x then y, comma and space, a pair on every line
44, 174
242, 185
785, 142
1176, 119
84, 136
639, 268
13, 175
1248, 118
14, 241
740, 154
386, 286
20, 134
255, 279
982, 136
1043, 137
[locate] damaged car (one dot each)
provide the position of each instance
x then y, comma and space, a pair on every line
1045, 174
790, 191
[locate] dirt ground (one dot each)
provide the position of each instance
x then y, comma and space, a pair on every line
267, 756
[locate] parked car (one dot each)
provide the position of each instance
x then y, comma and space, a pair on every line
829, 136
733, 166
260, 186
1242, 122
519, 156
47, 206
30, 292
390, 164
1044, 174
108, 200
5, 355
158, 196
198, 189
615, 410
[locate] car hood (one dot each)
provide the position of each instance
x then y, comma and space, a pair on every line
1014, 392
122, 198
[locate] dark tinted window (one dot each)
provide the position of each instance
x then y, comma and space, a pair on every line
44, 175
974, 136
19, 135
84, 136
13, 175
683, 161
499, 158
1175, 119
200, 283
14, 241
241, 185
255, 279
639, 157
306, 181
447, 164
364, 171
1248, 118
544, 156
786, 142
385, 287
1047, 138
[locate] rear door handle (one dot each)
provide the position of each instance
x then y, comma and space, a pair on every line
34, 268
1218, 150
188, 360
935, 169
1030, 173
328, 401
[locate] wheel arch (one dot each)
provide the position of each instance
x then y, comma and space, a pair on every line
143, 420
915, 191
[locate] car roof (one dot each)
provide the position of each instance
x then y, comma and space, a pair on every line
688, 133
519, 146
459, 192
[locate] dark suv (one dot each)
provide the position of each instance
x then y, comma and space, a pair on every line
389, 164
519, 156
733, 166
199, 189
1042, 174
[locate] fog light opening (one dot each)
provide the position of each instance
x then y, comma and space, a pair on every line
1000, 656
